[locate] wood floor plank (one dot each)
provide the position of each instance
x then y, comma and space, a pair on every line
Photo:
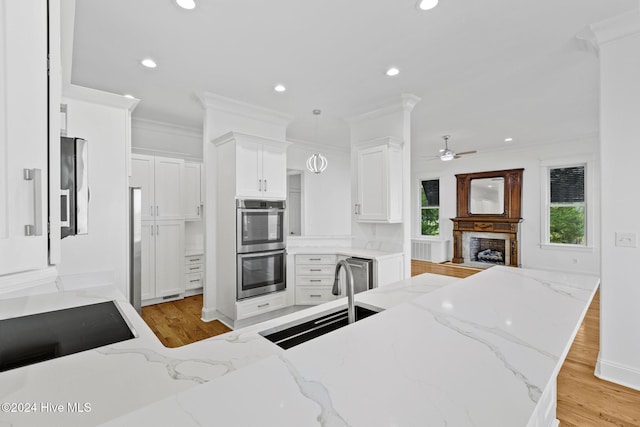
178, 323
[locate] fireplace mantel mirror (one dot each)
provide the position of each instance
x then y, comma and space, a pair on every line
486, 196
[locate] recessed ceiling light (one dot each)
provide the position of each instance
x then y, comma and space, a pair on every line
427, 4
186, 4
393, 71
279, 88
128, 95
149, 63
508, 139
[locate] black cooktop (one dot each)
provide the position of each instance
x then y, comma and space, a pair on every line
38, 337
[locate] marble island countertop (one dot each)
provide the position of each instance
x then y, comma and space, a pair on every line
480, 351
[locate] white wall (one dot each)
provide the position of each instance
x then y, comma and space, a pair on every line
327, 196
619, 39
165, 139
532, 159
102, 254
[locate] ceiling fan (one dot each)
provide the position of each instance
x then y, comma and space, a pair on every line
446, 154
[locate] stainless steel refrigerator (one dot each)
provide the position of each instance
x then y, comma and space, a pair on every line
135, 247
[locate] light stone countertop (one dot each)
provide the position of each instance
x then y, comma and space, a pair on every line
480, 351
342, 250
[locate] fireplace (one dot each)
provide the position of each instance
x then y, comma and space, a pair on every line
487, 225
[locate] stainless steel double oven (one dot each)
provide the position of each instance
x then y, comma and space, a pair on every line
260, 247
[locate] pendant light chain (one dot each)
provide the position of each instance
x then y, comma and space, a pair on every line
317, 163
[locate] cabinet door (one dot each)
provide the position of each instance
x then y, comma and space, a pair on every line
23, 134
142, 176
274, 172
148, 261
249, 169
372, 184
169, 258
192, 186
168, 188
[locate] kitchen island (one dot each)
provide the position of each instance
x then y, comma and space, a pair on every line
480, 351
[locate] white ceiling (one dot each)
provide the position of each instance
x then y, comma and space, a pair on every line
485, 70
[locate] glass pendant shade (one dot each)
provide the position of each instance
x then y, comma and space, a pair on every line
317, 163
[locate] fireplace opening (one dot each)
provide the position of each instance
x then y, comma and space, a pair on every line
491, 251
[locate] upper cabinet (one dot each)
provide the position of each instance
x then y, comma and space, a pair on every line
379, 184
161, 180
192, 191
257, 166
24, 135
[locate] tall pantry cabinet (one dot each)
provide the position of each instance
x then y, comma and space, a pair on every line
163, 248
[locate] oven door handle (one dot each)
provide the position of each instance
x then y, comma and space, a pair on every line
261, 254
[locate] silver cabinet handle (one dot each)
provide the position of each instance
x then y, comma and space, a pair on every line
263, 305
66, 202
35, 175
157, 211
259, 185
157, 230
198, 210
315, 269
194, 281
151, 210
315, 259
265, 185
315, 280
194, 268
152, 230
194, 259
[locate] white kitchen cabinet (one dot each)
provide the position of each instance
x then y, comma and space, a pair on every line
161, 180
192, 191
162, 259
255, 166
379, 182
24, 135
314, 278
194, 271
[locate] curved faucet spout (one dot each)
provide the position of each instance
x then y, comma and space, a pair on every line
336, 288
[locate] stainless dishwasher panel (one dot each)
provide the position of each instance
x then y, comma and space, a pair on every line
362, 269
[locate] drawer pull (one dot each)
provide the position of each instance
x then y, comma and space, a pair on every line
315, 296
315, 280
263, 305
315, 259
315, 269
194, 281
194, 259
194, 268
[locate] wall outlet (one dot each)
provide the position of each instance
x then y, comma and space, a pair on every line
626, 240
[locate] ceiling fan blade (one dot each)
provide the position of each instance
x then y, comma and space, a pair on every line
466, 152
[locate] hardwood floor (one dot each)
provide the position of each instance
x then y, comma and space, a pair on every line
178, 323
583, 399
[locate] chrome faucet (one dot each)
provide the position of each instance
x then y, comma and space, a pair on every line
336, 288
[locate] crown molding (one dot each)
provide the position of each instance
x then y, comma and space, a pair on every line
108, 99
318, 147
234, 136
211, 101
406, 103
165, 127
617, 27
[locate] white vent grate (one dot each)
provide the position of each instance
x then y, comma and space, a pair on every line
421, 250
430, 250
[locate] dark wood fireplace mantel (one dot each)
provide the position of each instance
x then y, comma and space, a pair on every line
507, 222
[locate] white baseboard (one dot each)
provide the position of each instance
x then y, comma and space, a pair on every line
617, 373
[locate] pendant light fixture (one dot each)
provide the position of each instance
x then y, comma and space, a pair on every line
317, 163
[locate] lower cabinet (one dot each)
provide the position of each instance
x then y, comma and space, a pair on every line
194, 271
314, 279
259, 305
162, 259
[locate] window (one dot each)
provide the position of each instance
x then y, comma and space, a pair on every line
567, 205
430, 207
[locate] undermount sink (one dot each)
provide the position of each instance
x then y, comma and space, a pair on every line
303, 330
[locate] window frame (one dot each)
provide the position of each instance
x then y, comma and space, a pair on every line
420, 209
546, 204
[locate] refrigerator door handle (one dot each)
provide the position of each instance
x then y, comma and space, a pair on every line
35, 175
65, 201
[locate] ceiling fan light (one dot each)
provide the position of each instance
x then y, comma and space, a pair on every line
427, 4
186, 4
446, 156
317, 163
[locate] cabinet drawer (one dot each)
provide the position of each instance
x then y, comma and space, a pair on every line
311, 295
193, 281
194, 268
314, 280
315, 270
259, 305
194, 259
316, 259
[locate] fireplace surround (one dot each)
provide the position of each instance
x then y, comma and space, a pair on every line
501, 224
